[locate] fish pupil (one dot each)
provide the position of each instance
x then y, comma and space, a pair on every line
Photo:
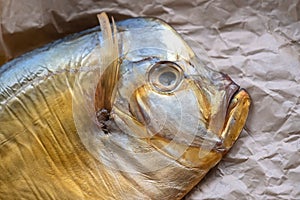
167, 78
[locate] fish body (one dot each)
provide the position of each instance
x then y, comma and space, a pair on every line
121, 113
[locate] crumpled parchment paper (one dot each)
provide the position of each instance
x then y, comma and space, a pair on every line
256, 42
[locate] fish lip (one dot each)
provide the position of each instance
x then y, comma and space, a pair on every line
236, 116
240, 92
232, 96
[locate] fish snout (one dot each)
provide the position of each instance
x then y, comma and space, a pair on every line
214, 92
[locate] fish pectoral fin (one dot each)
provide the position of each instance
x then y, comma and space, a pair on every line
109, 59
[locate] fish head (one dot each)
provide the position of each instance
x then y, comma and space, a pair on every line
167, 96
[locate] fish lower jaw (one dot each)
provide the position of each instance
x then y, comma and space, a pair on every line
235, 120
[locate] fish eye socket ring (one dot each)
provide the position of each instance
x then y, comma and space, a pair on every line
165, 76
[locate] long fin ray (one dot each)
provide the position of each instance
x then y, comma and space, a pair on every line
109, 63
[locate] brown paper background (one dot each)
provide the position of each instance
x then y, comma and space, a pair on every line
256, 42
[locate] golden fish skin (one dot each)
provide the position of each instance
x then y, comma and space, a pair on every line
71, 129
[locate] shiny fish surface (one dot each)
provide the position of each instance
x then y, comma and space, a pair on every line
124, 111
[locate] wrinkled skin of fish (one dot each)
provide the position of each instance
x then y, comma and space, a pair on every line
167, 121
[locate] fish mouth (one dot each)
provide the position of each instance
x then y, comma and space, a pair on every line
237, 113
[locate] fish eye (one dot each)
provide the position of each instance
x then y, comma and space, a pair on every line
165, 76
